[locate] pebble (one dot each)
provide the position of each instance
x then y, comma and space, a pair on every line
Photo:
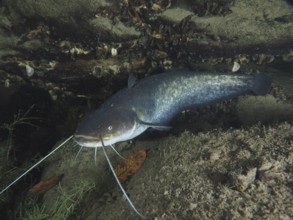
236, 67
29, 71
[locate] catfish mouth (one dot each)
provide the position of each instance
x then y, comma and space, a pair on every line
89, 141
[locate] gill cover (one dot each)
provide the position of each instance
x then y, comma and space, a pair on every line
113, 125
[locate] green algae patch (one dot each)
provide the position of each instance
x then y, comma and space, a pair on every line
62, 208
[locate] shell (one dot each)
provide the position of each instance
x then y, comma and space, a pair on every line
77, 51
236, 67
114, 52
29, 71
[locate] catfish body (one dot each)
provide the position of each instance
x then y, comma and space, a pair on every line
154, 101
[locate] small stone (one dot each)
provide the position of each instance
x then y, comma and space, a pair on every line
215, 155
29, 71
114, 52
53, 95
7, 83
266, 166
236, 67
192, 206
244, 181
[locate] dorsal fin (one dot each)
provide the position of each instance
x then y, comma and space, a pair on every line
131, 80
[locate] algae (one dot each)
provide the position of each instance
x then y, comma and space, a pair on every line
61, 208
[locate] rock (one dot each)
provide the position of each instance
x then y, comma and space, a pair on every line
8, 44
249, 21
106, 30
75, 16
175, 15
265, 109
66, 11
244, 181
67, 15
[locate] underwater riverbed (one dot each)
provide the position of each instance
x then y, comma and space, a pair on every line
60, 61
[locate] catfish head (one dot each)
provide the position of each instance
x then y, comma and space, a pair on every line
112, 125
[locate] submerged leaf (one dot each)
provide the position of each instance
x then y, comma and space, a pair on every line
130, 166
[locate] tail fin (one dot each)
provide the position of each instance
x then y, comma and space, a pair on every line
261, 84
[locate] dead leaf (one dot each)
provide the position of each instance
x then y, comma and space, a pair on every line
33, 33
46, 184
130, 166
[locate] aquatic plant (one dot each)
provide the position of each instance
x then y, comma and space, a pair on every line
19, 119
59, 209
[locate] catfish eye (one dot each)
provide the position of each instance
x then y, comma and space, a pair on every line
110, 128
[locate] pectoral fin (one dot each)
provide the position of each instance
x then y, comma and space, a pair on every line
155, 126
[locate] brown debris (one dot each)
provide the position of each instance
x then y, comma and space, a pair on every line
44, 185
129, 167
